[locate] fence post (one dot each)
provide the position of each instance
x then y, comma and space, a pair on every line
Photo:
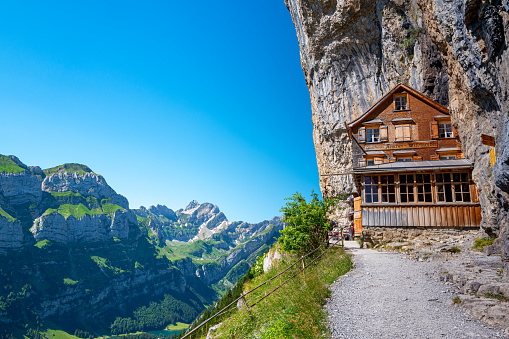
342, 238
247, 305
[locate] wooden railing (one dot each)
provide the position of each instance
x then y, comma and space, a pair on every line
243, 295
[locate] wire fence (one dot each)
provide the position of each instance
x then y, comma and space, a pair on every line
242, 296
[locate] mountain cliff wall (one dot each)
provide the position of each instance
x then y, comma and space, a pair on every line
454, 51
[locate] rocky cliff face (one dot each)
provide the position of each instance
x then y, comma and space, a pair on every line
86, 184
72, 249
89, 228
11, 235
455, 51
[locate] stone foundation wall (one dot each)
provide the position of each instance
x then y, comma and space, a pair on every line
378, 235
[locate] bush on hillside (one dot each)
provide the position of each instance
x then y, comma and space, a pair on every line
307, 224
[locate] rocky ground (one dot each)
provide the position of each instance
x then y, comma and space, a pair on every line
476, 277
410, 294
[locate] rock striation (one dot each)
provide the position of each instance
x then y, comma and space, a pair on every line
11, 235
89, 228
87, 184
22, 188
354, 51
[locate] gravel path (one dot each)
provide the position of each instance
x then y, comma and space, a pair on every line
389, 296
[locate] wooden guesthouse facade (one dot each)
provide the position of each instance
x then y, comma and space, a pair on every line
409, 167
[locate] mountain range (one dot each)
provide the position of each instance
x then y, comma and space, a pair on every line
73, 253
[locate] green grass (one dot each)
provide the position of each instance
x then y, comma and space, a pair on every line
78, 211
178, 326
499, 297
57, 334
8, 165
480, 243
72, 168
295, 310
6, 215
43, 244
105, 263
70, 282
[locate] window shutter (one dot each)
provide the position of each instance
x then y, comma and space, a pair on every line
362, 163
416, 158
460, 156
454, 132
434, 130
362, 134
435, 157
378, 161
406, 132
383, 134
399, 132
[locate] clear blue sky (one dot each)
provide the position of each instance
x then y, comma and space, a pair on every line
169, 100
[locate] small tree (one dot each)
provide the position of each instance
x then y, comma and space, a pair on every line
306, 223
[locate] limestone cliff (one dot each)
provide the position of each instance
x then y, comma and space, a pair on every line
455, 51
88, 228
86, 184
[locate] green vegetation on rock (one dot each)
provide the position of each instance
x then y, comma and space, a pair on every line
6, 215
72, 168
480, 243
70, 282
80, 210
42, 244
8, 165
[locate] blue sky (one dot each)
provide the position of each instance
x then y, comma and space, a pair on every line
169, 101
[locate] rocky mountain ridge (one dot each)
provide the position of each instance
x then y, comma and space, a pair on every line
72, 250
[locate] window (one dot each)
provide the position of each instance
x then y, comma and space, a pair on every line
371, 161
376, 191
403, 132
417, 188
387, 188
461, 187
403, 159
444, 187
445, 130
447, 157
371, 188
406, 188
423, 183
372, 135
453, 187
400, 103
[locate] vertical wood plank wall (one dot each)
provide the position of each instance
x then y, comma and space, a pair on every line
422, 216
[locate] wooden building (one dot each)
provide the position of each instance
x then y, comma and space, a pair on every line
409, 167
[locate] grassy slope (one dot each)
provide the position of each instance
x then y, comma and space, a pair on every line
81, 169
6, 215
295, 310
78, 211
9, 166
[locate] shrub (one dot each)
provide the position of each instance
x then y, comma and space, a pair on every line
307, 224
480, 243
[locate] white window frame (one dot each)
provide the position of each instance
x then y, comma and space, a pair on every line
445, 130
399, 105
371, 136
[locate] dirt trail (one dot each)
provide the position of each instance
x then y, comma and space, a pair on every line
388, 295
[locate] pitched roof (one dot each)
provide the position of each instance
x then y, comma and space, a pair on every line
388, 95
